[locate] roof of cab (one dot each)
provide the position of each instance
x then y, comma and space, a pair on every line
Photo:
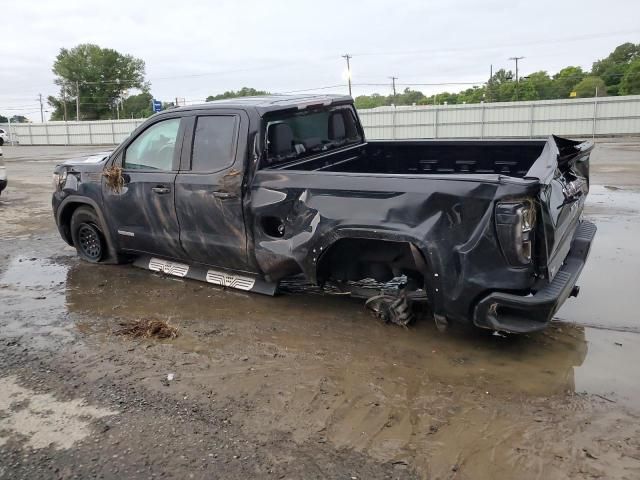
269, 103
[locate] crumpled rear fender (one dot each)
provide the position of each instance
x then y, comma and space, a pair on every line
449, 221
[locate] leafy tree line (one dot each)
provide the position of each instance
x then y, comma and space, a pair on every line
14, 119
243, 92
617, 74
102, 81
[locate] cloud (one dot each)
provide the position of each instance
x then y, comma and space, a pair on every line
196, 48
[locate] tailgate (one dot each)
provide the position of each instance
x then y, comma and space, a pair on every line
563, 172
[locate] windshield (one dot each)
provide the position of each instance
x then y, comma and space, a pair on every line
300, 134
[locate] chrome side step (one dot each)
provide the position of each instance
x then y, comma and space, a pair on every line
202, 273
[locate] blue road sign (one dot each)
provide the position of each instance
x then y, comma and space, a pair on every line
157, 105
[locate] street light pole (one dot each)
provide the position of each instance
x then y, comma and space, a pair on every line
348, 57
41, 112
516, 60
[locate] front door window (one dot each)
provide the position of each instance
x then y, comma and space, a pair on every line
155, 148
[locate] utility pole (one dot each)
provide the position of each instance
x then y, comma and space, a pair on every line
490, 82
393, 82
516, 60
41, 111
77, 101
348, 57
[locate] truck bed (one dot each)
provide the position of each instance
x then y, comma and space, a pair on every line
505, 157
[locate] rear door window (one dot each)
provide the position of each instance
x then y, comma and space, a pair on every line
296, 135
214, 143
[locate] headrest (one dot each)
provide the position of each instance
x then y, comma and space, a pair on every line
280, 139
337, 129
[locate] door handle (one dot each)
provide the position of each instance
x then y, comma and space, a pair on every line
160, 190
224, 195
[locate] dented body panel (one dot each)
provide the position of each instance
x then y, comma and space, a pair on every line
440, 212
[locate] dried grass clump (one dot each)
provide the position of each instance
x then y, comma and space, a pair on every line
113, 178
148, 328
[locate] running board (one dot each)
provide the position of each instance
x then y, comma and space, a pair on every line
204, 274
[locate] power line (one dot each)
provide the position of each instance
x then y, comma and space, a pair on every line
312, 89
518, 44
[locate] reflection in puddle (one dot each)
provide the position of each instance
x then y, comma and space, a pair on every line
609, 282
32, 296
33, 273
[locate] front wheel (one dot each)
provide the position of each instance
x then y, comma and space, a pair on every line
87, 236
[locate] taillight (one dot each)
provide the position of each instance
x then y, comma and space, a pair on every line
515, 222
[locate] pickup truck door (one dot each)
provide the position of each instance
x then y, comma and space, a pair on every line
209, 190
142, 214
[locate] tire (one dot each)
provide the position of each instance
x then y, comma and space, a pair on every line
87, 235
1, 141
391, 308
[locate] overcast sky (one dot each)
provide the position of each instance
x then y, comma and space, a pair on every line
196, 48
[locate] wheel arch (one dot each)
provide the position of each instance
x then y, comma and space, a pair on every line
415, 256
346, 251
65, 212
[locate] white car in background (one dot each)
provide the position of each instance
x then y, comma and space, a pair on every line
4, 136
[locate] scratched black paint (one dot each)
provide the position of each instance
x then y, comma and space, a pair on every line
437, 196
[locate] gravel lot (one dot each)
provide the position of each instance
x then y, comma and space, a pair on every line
305, 385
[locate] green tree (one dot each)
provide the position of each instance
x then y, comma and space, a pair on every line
630, 84
500, 87
541, 83
590, 86
446, 98
472, 95
370, 101
138, 106
3, 119
19, 119
506, 92
407, 97
612, 69
100, 77
243, 92
565, 81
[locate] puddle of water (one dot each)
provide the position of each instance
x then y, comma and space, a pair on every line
611, 367
32, 292
612, 201
33, 273
609, 282
327, 334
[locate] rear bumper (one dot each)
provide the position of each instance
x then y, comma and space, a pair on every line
519, 314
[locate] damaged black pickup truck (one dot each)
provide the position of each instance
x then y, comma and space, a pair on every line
249, 192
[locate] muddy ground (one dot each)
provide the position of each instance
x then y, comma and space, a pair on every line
305, 385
